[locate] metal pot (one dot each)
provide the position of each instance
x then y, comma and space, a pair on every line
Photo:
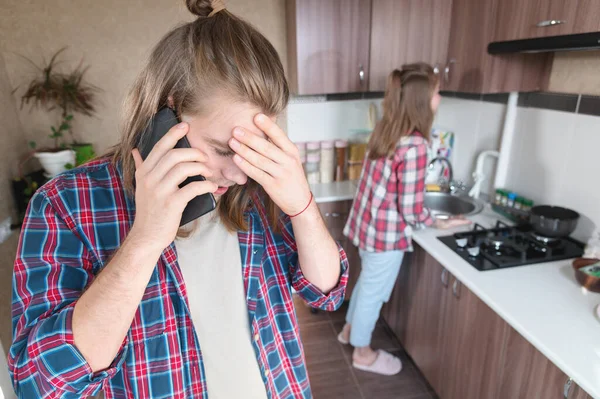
553, 221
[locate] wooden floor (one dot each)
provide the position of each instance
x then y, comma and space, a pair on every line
329, 362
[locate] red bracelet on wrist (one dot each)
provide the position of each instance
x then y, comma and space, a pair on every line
302, 211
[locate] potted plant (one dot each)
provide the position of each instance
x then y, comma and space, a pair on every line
69, 93
25, 184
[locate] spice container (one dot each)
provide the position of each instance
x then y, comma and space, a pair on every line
501, 197
312, 168
301, 149
519, 203
327, 166
527, 205
313, 147
504, 199
356, 156
498, 196
512, 197
340, 159
301, 152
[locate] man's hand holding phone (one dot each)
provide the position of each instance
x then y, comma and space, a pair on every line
158, 198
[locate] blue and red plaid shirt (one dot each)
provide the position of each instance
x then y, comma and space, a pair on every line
390, 199
72, 227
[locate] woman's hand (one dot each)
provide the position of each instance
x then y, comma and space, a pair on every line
159, 201
451, 222
275, 164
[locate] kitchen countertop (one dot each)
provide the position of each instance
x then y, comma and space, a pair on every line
335, 191
543, 302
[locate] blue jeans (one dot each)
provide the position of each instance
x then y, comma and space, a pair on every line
373, 288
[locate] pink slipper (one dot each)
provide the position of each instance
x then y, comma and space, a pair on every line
341, 339
384, 364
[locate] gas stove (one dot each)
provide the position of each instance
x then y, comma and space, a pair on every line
507, 246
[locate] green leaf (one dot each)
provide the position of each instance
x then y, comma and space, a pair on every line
32, 144
27, 191
64, 126
68, 117
53, 129
69, 166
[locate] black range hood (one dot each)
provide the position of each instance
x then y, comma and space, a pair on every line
581, 41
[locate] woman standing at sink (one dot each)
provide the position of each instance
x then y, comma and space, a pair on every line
389, 204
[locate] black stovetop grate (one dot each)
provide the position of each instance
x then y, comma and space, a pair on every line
505, 246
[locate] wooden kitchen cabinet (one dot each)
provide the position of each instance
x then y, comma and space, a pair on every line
419, 325
335, 215
587, 17
471, 29
328, 45
419, 31
453, 337
471, 69
462, 347
526, 373
518, 19
473, 344
342, 46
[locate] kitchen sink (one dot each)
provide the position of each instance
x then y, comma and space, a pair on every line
451, 205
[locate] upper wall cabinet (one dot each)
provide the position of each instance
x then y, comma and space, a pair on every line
471, 69
405, 31
343, 46
328, 45
472, 27
539, 18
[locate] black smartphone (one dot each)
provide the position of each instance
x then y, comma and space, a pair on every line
159, 125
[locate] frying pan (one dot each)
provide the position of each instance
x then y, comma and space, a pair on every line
553, 221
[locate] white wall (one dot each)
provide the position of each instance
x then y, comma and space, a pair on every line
6, 389
314, 119
477, 127
554, 161
114, 38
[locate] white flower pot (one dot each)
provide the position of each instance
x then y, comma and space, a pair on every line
54, 162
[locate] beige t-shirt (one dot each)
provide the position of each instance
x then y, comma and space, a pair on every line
211, 264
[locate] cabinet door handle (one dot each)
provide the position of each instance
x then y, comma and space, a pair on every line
550, 22
436, 69
444, 278
361, 74
456, 288
447, 70
567, 388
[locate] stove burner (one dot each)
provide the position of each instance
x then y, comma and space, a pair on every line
496, 241
505, 246
543, 239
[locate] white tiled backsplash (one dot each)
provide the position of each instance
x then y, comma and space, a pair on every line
477, 125
314, 119
554, 161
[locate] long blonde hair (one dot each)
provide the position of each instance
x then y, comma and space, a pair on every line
406, 108
217, 54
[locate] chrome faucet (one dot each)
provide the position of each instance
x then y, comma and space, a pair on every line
449, 183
